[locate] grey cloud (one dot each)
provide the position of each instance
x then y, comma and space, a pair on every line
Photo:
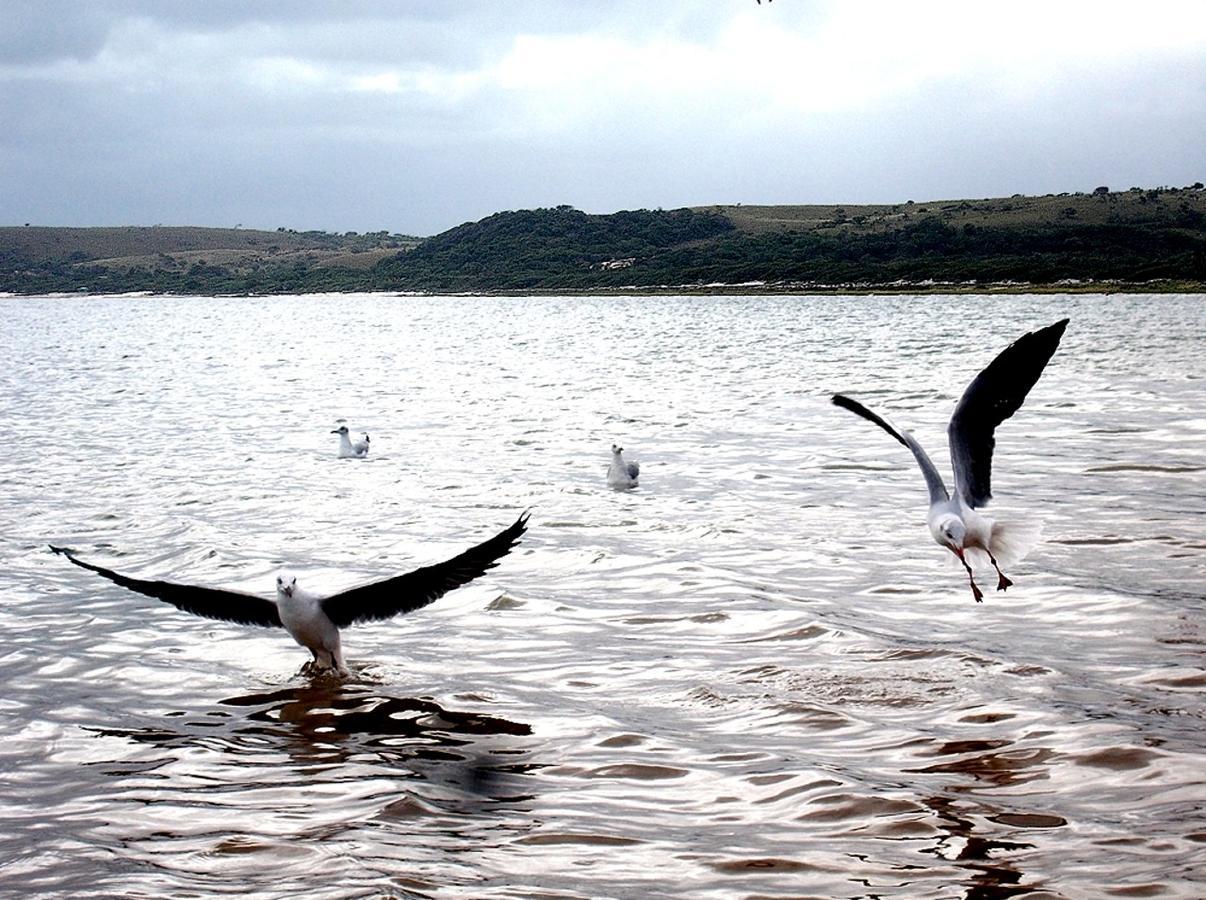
35, 32
46, 30
161, 119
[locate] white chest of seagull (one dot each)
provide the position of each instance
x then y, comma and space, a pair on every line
302, 615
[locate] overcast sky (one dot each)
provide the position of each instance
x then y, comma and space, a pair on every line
417, 116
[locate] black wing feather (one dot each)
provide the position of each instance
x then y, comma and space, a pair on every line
993, 396
414, 590
933, 480
226, 606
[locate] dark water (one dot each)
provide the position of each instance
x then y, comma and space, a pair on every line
753, 676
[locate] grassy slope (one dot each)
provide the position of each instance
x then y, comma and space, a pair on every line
1133, 207
174, 248
102, 243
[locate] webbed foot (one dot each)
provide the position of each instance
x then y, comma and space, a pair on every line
1002, 581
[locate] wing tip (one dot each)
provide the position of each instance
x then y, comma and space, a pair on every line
1047, 337
1056, 329
514, 532
843, 402
859, 410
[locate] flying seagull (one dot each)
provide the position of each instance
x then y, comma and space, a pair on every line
349, 449
993, 396
314, 621
622, 475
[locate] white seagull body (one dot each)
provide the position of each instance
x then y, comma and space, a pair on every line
622, 475
314, 621
992, 397
349, 449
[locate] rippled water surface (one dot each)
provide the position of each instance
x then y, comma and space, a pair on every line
755, 675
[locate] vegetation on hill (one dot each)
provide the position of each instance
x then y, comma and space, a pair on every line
1136, 236
190, 260
1133, 237
549, 249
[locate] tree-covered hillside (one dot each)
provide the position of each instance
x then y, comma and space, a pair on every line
549, 249
1135, 237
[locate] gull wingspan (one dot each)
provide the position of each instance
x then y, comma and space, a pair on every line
227, 606
993, 396
414, 590
933, 481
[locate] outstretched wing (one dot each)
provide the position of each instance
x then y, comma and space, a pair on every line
227, 606
933, 480
993, 396
414, 590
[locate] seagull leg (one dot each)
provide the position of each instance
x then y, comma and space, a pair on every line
337, 662
1002, 581
312, 664
971, 579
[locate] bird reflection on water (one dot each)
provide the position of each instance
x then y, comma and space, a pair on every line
993, 864
467, 757
990, 877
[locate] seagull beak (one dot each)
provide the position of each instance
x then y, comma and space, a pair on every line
958, 551
287, 591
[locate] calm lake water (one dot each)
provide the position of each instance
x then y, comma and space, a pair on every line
755, 675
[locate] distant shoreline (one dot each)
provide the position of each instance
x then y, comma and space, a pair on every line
744, 290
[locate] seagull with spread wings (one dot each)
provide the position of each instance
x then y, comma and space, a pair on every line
993, 396
314, 621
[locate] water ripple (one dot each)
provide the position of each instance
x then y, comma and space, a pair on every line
752, 676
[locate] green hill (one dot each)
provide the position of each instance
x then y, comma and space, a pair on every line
1135, 239
190, 260
549, 249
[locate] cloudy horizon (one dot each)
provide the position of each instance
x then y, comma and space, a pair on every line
415, 117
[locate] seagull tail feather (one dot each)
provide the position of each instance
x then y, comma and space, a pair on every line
1011, 541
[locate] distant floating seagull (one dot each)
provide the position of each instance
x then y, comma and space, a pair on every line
621, 475
314, 621
349, 449
993, 396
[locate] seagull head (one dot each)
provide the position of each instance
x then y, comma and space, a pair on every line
950, 532
342, 429
286, 584
616, 449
